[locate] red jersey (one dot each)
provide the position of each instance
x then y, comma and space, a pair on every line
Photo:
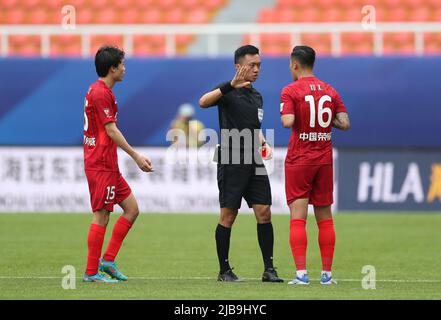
99, 149
314, 104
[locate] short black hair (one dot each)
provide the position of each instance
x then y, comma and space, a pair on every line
304, 55
106, 57
243, 51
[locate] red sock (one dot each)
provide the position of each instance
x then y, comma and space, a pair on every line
326, 238
120, 230
299, 241
95, 241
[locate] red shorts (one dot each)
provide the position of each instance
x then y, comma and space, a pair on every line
106, 189
314, 182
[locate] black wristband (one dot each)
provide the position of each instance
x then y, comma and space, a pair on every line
226, 88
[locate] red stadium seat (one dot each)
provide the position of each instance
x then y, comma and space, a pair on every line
130, 16
151, 16
84, 16
30, 4
100, 4
320, 42
332, 15
106, 16
166, 4
175, 15
65, 46
55, 4
15, 16
8, 4
420, 14
123, 5
97, 41
39, 16
285, 16
197, 16
308, 15
184, 39
398, 15
267, 16
25, 45
190, 4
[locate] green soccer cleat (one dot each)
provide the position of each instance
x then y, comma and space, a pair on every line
98, 278
111, 269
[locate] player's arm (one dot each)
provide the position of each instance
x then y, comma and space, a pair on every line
341, 121
113, 132
287, 108
287, 120
211, 98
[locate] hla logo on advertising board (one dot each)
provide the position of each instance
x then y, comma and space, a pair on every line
380, 179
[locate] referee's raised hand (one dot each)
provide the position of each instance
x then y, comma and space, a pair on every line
239, 78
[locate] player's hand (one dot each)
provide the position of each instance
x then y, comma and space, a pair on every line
266, 151
144, 163
239, 78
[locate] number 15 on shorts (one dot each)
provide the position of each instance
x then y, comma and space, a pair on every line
110, 193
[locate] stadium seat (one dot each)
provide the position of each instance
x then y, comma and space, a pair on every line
174, 15
106, 16
84, 16
8, 4
151, 16
15, 16
130, 16
24, 45
97, 41
320, 42
197, 16
65, 46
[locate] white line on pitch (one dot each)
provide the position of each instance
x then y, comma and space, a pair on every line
212, 278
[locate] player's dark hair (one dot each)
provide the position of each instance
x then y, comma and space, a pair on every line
243, 51
304, 55
106, 57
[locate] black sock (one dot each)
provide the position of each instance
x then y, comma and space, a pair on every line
223, 246
265, 235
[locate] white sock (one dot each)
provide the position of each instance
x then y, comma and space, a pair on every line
300, 273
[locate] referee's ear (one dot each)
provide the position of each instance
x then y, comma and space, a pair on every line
237, 65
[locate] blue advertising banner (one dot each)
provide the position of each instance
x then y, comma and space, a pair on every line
392, 102
389, 180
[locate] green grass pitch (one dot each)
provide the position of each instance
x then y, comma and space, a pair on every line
174, 257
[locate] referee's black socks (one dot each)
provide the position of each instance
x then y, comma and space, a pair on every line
223, 246
265, 235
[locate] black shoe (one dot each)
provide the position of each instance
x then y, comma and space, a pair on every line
228, 276
270, 275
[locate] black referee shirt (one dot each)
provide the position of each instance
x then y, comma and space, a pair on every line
240, 120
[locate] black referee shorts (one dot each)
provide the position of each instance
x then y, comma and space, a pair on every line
237, 181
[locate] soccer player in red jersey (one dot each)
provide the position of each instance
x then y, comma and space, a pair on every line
311, 108
107, 187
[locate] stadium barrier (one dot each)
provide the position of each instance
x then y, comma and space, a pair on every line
45, 179
400, 180
392, 102
214, 31
51, 179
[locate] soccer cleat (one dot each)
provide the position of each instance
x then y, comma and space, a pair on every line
98, 278
304, 280
111, 269
270, 275
326, 280
228, 276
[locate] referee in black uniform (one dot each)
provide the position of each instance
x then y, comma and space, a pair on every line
240, 171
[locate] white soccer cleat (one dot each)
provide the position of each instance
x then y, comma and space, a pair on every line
327, 279
303, 280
